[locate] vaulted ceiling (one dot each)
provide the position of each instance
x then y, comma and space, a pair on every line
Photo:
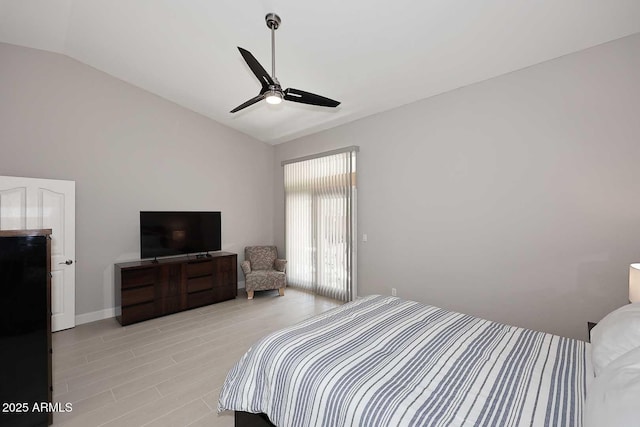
372, 56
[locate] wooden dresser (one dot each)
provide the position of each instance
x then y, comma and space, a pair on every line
147, 289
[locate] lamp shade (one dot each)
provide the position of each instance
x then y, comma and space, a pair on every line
634, 282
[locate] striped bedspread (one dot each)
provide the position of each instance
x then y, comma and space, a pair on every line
383, 361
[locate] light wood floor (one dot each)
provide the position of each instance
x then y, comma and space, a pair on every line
166, 371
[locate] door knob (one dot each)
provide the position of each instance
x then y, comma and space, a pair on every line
68, 262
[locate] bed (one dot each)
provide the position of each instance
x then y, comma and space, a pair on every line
384, 361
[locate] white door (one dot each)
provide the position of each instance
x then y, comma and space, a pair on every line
30, 203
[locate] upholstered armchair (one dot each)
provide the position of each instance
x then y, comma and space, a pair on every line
263, 270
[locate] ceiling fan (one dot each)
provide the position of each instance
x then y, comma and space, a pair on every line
271, 90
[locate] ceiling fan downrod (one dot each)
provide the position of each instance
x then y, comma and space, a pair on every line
273, 22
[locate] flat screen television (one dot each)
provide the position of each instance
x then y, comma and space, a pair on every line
178, 233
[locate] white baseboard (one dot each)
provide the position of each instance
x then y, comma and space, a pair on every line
95, 315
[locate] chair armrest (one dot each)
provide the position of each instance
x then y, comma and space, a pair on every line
280, 264
246, 267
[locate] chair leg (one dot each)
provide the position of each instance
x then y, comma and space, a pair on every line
249, 294
281, 291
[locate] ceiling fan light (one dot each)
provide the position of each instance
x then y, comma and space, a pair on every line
273, 97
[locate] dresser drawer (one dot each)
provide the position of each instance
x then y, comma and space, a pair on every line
139, 312
199, 284
138, 295
199, 299
203, 268
138, 277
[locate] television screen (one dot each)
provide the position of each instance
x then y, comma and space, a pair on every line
177, 233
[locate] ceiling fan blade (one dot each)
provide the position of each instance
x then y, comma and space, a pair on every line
303, 97
262, 75
248, 103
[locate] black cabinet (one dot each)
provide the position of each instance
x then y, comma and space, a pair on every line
25, 327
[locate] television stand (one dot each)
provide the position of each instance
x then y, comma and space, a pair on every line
200, 256
155, 260
144, 289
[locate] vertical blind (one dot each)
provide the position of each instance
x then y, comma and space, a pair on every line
320, 204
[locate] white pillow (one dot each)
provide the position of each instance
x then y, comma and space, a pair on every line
613, 398
615, 335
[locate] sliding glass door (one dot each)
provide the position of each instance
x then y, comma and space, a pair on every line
320, 207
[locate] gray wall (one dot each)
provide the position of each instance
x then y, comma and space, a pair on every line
515, 199
512, 199
127, 150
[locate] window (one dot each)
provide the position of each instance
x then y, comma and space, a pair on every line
320, 206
